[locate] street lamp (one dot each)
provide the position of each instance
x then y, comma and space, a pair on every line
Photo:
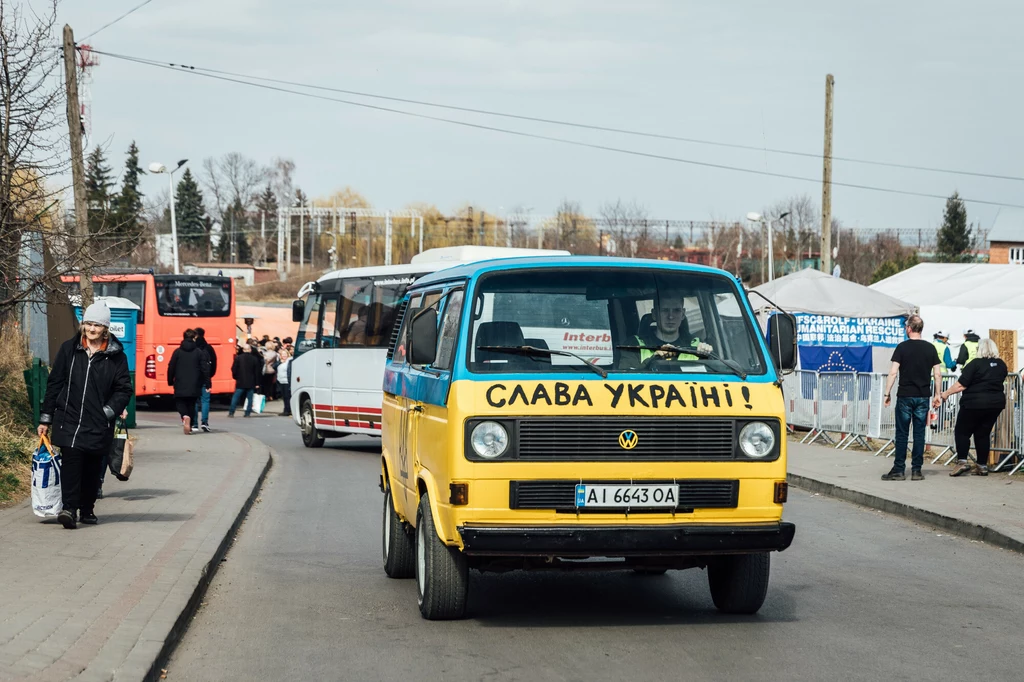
157, 167
764, 220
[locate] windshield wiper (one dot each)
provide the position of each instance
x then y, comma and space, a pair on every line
533, 350
689, 350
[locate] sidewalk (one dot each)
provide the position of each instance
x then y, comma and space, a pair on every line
106, 602
987, 508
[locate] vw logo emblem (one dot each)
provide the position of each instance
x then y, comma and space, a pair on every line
628, 439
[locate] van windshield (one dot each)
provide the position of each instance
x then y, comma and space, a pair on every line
621, 320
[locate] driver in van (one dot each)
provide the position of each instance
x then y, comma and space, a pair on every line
669, 328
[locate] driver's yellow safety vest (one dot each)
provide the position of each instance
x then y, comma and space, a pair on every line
645, 353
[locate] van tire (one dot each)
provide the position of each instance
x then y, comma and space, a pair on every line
311, 437
442, 573
739, 584
399, 548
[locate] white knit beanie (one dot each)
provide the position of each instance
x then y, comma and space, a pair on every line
97, 313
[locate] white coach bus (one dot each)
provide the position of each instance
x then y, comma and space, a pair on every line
346, 319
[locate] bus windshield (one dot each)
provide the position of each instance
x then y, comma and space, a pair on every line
186, 296
619, 320
358, 312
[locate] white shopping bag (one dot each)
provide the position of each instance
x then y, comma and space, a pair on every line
258, 403
46, 496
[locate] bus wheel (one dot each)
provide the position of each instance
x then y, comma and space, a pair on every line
739, 583
311, 438
442, 574
398, 545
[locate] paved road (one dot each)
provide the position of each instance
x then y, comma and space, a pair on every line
860, 596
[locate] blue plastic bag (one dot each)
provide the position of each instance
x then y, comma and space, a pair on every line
46, 493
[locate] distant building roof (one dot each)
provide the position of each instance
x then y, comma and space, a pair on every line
1008, 227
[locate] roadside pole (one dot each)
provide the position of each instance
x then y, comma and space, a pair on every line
77, 166
826, 183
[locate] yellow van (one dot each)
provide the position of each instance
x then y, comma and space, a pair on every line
583, 413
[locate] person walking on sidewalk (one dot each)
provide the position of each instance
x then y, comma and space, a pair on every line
284, 381
203, 404
188, 372
88, 387
917, 364
983, 400
247, 370
268, 382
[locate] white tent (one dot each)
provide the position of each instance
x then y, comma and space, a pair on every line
864, 317
955, 297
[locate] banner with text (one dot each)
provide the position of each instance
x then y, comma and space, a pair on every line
830, 330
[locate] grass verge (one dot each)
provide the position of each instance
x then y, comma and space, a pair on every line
16, 438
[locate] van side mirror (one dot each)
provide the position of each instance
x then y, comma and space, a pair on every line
782, 341
298, 310
423, 338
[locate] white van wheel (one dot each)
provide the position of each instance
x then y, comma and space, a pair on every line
739, 583
399, 549
311, 438
442, 574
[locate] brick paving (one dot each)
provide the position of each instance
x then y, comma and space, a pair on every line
102, 602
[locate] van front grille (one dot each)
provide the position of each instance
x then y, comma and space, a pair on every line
597, 439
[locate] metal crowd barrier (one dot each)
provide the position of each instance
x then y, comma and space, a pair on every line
848, 408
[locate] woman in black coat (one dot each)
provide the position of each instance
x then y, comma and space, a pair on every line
88, 387
983, 400
247, 370
188, 371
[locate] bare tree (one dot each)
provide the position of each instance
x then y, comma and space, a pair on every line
628, 225
233, 177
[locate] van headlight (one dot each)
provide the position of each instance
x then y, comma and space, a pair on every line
489, 440
757, 440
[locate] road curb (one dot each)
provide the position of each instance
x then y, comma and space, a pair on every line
208, 573
950, 524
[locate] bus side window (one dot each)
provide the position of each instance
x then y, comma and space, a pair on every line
449, 330
328, 334
306, 338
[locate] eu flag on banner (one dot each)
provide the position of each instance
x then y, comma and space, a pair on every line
836, 358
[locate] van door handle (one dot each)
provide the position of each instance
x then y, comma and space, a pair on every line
416, 408
328, 363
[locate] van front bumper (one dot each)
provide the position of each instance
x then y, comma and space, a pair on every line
623, 541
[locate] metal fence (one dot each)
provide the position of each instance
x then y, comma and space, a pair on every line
845, 409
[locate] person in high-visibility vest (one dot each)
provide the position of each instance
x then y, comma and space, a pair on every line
670, 328
969, 349
940, 340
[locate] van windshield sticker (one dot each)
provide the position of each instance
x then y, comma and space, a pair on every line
623, 394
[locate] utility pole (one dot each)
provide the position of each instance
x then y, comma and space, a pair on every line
78, 166
826, 183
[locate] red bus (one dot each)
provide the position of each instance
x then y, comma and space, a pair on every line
168, 305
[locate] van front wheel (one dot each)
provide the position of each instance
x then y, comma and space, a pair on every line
311, 438
442, 574
739, 583
399, 548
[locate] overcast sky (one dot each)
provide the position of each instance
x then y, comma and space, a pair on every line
927, 83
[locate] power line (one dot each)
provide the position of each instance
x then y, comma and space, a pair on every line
585, 126
108, 25
548, 138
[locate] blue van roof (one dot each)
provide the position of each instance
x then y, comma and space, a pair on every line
471, 270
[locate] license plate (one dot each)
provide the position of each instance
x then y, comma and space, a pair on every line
623, 496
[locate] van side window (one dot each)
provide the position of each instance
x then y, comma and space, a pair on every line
328, 335
401, 344
449, 330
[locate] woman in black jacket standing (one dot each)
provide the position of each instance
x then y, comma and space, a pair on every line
188, 372
983, 399
88, 387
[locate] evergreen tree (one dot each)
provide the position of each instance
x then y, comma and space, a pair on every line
190, 215
234, 231
266, 207
126, 207
98, 183
955, 240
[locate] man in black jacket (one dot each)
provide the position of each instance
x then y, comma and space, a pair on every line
88, 387
247, 370
203, 404
188, 372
